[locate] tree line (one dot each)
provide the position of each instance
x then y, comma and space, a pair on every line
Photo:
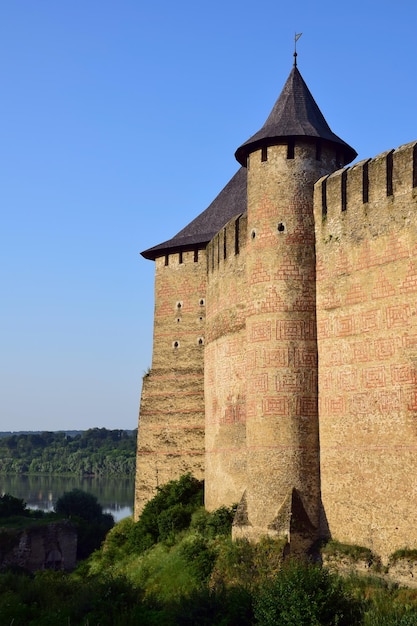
97, 451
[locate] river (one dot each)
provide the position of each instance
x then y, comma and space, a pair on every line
115, 494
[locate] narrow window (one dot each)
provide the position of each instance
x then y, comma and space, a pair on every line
365, 183
324, 198
180, 258
264, 153
344, 190
389, 173
218, 249
237, 236
415, 166
290, 149
166, 260
196, 256
224, 244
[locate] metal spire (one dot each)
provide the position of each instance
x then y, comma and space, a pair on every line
296, 38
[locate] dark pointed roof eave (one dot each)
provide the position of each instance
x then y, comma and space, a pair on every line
231, 201
294, 115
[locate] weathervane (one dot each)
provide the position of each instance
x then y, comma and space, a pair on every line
296, 38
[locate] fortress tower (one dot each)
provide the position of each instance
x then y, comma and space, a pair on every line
284, 159
284, 365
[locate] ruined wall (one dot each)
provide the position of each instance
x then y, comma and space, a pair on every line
225, 378
366, 245
171, 418
51, 546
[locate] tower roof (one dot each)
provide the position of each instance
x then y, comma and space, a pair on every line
295, 114
230, 202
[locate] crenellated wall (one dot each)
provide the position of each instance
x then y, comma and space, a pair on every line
171, 420
224, 368
285, 354
366, 248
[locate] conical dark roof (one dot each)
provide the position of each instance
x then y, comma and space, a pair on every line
231, 201
295, 114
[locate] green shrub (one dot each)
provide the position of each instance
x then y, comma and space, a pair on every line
168, 512
9, 505
87, 516
354, 552
305, 595
225, 607
404, 553
199, 556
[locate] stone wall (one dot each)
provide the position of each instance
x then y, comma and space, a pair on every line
51, 546
272, 438
225, 377
171, 420
366, 243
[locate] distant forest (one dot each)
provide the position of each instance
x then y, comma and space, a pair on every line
96, 451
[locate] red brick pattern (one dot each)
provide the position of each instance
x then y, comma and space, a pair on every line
367, 343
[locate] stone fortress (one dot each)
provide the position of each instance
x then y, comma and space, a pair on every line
284, 365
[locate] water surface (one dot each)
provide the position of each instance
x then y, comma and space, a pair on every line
41, 492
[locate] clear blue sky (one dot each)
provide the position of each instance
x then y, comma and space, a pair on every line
118, 125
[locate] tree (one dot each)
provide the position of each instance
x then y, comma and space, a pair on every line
9, 505
87, 515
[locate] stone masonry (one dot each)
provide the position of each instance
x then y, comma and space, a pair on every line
284, 365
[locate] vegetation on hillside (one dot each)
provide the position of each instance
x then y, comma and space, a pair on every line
95, 451
177, 566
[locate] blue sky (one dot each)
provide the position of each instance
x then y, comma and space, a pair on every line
118, 125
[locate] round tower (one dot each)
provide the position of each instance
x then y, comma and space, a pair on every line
284, 159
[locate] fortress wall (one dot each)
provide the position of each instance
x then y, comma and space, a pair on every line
224, 370
366, 248
171, 417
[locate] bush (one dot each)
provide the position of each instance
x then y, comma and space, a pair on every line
78, 503
87, 515
198, 555
167, 513
306, 595
9, 505
214, 524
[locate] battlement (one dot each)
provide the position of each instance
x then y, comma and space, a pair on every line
351, 192
180, 258
227, 243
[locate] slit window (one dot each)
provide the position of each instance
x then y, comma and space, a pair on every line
264, 153
415, 166
237, 236
324, 198
290, 149
389, 174
344, 190
365, 183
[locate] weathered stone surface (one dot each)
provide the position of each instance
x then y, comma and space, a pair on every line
53, 546
285, 357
